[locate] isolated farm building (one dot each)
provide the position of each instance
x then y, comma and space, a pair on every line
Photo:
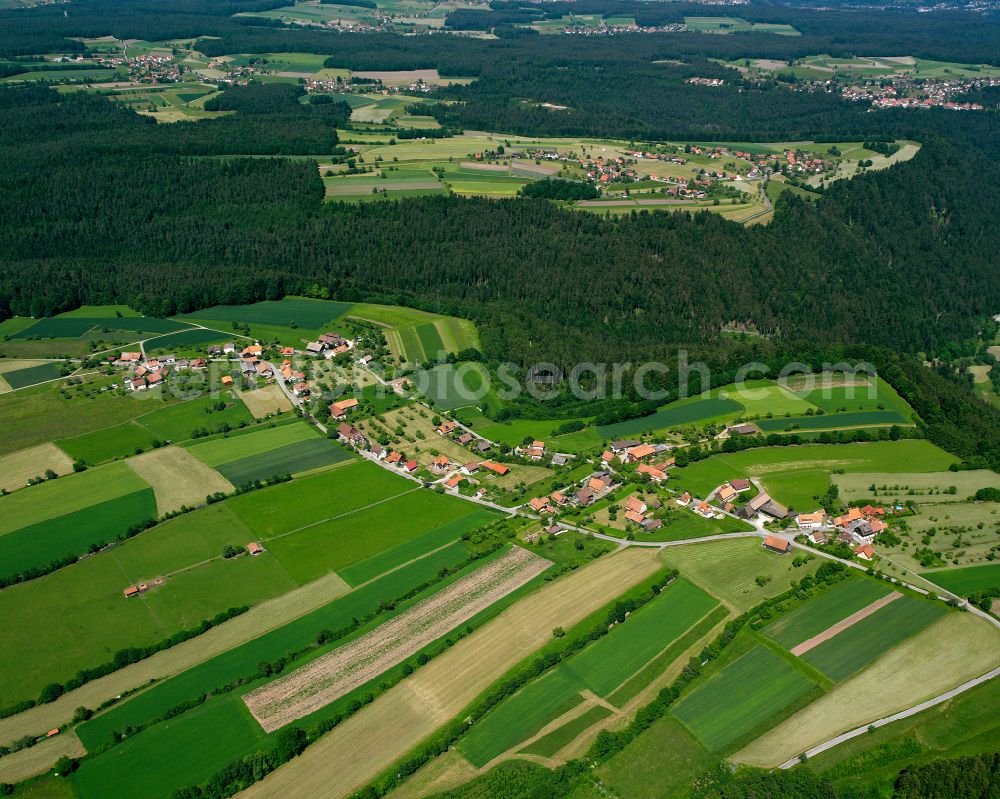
865, 552
742, 430
446, 428
254, 548
810, 521
338, 410
465, 439
740, 485
725, 493
227, 380
131, 591
498, 468
776, 544
314, 348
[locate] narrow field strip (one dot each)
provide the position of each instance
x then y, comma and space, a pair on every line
842, 625
321, 682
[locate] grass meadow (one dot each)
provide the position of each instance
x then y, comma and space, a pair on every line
300, 311
33, 375
229, 449
833, 421
740, 697
966, 581
297, 458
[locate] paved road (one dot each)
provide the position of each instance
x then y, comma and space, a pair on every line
937, 700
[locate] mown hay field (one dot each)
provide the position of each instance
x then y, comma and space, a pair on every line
178, 478
19, 467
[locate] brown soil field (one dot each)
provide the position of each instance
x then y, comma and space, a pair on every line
319, 683
384, 731
843, 624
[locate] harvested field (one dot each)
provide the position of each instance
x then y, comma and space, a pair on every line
842, 625
262, 402
178, 478
38, 759
321, 682
379, 734
19, 467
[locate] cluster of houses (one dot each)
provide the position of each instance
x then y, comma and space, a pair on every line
652, 459
595, 487
858, 527
450, 429
151, 372
706, 81
329, 345
636, 511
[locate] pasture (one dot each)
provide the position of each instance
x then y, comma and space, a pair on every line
184, 340
823, 611
964, 582
676, 414
450, 386
455, 334
228, 449
744, 695
833, 421
178, 478
729, 569
76, 326
863, 642
33, 375
760, 398
952, 650
19, 467
599, 668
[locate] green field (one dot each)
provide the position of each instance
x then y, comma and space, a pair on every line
450, 386
39, 544
964, 582
601, 667
32, 375
673, 415
297, 458
920, 487
823, 611
551, 743
832, 421
169, 423
327, 546
860, 644
867, 397
760, 398
742, 696
243, 659
217, 451
306, 313
184, 339
74, 326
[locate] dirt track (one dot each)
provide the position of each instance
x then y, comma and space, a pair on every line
843, 624
326, 679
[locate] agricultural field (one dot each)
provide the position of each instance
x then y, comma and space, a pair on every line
68, 515
418, 336
263, 402
326, 679
295, 459
920, 487
15, 376
178, 479
450, 386
725, 25
964, 582
256, 443
729, 570
597, 670
952, 650
17, 468
289, 312
743, 695
945, 535
174, 422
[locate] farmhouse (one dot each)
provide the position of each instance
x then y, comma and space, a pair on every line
350, 433
314, 348
454, 481
465, 439
253, 351
559, 498
446, 428
130, 357
865, 552
410, 466
338, 410
540, 505
618, 447
742, 430
811, 521
498, 468
683, 499
633, 454
819, 537
393, 457
634, 517
740, 485
131, 591
776, 544
470, 467
585, 496
300, 389
378, 451
254, 548
441, 463
725, 493
762, 503
607, 457
635, 505
227, 380
534, 452
264, 369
